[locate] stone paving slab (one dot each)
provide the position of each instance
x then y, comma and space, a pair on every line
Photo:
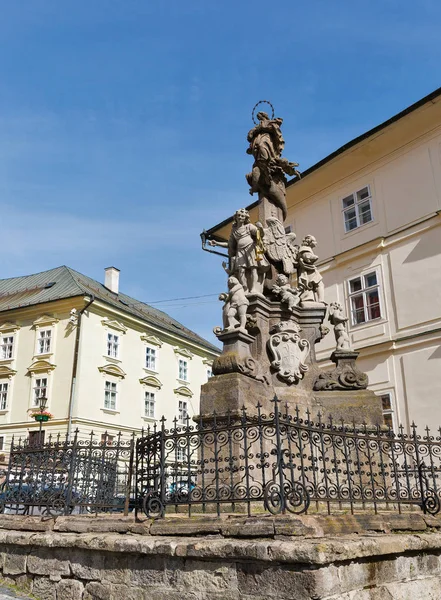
8, 594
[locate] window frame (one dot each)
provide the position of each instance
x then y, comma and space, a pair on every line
4, 395
113, 391
5, 336
389, 411
151, 401
356, 204
182, 411
363, 291
35, 398
112, 344
43, 330
184, 361
151, 348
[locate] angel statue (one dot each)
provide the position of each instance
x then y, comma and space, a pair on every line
309, 278
234, 311
267, 177
246, 251
288, 295
338, 320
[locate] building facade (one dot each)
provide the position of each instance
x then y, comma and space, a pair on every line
104, 361
374, 206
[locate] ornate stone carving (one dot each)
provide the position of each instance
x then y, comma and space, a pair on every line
345, 376
310, 281
267, 177
289, 351
279, 246
339, 321
234, 312
288, 295
231, 362
246, 253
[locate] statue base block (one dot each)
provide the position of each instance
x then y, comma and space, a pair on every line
359, 406
232, 392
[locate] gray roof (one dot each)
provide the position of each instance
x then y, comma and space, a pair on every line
64, 282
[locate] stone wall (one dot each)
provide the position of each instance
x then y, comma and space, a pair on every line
369, 557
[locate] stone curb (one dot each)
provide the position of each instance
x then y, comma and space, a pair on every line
229, 526
306, 551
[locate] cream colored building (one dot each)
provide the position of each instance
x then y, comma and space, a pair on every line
105, 361
374, 206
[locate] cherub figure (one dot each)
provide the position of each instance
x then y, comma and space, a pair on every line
308, 276
338, 320
234, 312
288, 295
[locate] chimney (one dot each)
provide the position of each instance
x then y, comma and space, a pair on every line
111, 280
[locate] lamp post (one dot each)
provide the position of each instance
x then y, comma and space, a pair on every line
42, 402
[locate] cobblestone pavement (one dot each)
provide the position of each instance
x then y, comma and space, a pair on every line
8, 594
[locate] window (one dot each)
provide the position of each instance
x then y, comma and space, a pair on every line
209, 372
110, 393
106, 439
3, 395
182, 411
150, 358
40, 390
6, 347
181, 454
112, 345
388, 411
2, 442
44, 341
357, 209
183, 369
364, 298
149, 404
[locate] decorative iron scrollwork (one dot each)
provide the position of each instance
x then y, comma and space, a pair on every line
431, 502
292, 496
153, 506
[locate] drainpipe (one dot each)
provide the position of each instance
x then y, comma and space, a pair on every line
75, 366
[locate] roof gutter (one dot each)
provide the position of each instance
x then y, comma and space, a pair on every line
75, 366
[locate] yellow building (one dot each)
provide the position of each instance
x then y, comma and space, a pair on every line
374, 206
104, 361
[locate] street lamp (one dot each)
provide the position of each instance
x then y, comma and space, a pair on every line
42, 402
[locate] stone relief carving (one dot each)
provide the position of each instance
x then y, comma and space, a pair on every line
289, 351
234, 311
345, 376
231, 362
287, 294
267, 177
279, 246
309, 279
246, 252
339, 321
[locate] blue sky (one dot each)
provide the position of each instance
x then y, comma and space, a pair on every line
123, 122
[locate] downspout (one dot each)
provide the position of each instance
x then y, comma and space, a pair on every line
75, 366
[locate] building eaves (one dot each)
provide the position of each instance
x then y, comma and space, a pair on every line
429, 98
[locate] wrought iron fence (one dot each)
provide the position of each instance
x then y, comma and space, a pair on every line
284, 463
65, 476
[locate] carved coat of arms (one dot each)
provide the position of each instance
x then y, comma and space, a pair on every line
289, 351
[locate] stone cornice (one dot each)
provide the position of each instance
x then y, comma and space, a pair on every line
9, 328
183, 352
41, 366
113, 324
151, 339
151, 381
44, 321
183, 391
111, 369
